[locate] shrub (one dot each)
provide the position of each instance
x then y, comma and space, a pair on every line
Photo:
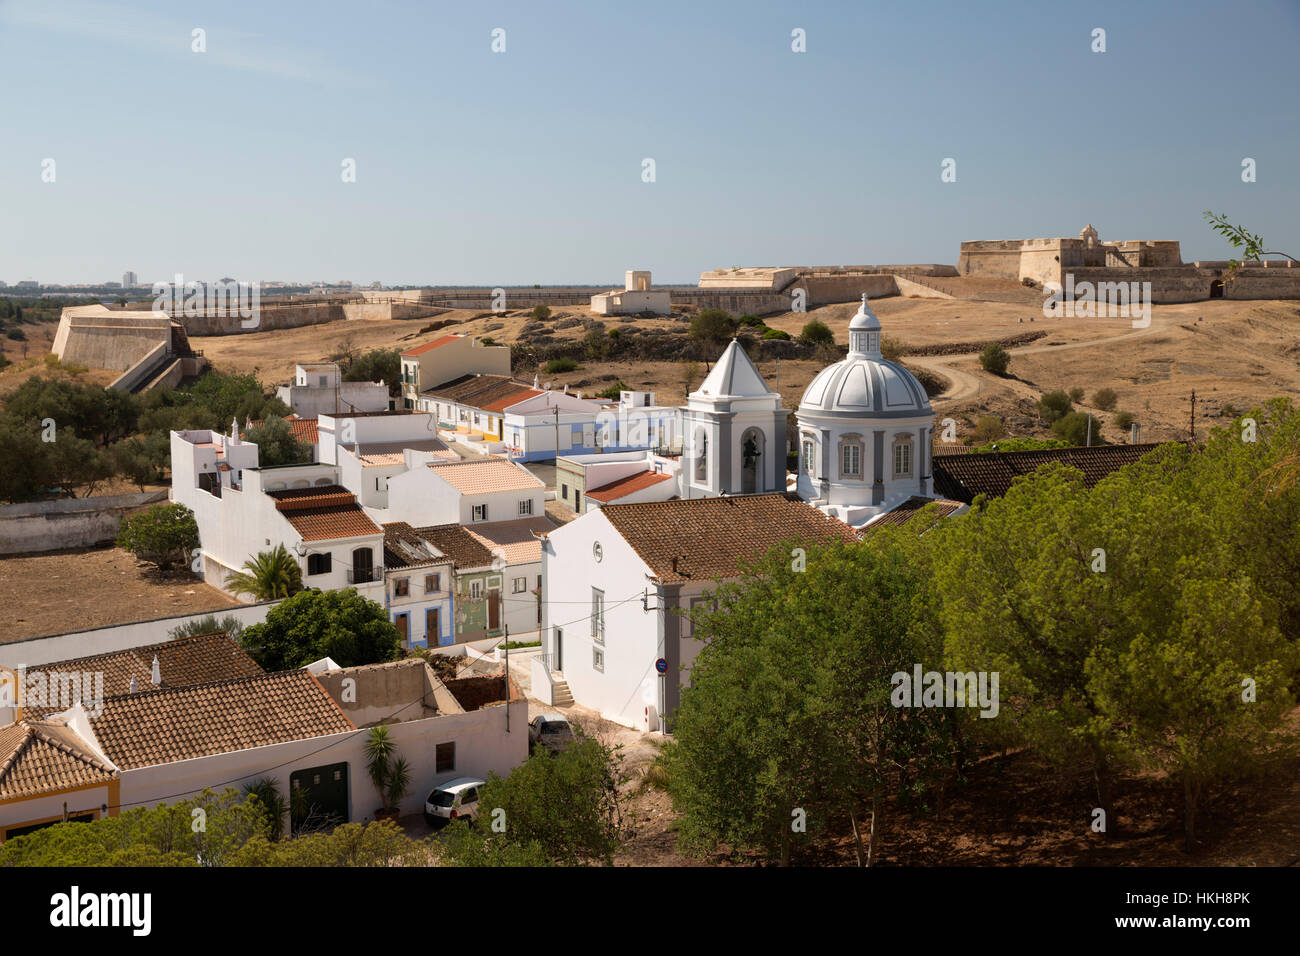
1075, 428
751, 321
775, 335
18, 335
206, 625
1020, 444
892, 349
559, 365
163, 536
1229, 410
540, 313
1124, 419
995, 359
713, 325
612, 391
276, 444
988, 428
1076, 394
1105, 399
817, 332
1054, 405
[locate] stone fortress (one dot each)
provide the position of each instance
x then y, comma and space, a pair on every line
1158, 261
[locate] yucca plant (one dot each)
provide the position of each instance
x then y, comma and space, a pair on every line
398, 783
268, 795
269, 576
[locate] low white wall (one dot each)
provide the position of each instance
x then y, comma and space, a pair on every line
540, 674
36, 526
62, 647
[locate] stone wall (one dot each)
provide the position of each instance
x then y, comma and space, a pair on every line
995, 258
36, 526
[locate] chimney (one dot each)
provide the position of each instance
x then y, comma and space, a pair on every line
156, 676
135, 686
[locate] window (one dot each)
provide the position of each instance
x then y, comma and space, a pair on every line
598, 615
902, 460
402, 587
476, 590
851, 460
809, 456
526, 506
320, 563
598, 659
520, 586
480, 513
701, 457
432, 583
564, 492
444, 759
323, 381
539, 582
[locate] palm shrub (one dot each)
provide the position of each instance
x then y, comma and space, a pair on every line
271, 575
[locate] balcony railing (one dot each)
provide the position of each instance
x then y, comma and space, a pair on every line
365, 575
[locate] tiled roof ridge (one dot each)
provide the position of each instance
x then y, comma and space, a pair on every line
678, 502
33, 731
152, 690
134, 651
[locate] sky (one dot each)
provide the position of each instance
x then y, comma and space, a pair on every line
475, 167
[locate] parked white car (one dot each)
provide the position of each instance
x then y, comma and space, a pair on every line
550, 731
454, 800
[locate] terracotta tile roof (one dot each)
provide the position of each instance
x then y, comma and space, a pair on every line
303, 429
962, 477
910, 508
477, 390
164, 726
430, 345
706, 539
404, 547
479, 475
197, 659
318, 514
625, 486
465, 550
42, 756
514, 539
501, 404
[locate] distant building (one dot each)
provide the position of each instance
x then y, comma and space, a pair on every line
129, 280
447, 357
635, 297
319, 387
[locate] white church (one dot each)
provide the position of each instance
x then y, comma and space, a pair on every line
621, 580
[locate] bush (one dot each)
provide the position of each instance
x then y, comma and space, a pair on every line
277, 445
713, 325
540, 313
206, 625
751, 321
1124, 419
1020, 444
817, 332
164, 536
891, 349
18, 335
775, 335
1076, 394
988, 428
995, 359
1054, 406
559, 365
1075, 428
613, 391
1105, 399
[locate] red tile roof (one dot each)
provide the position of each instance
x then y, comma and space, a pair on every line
172, 724
910, 508
44, 756
501, 404
962, 477
303, 429
430, 346
706, 539
625, 486
322, 513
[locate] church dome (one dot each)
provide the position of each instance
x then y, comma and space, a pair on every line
864, 384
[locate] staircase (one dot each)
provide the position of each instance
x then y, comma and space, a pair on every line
561, 696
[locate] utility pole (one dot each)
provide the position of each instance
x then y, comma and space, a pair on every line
1192, 427
507, 644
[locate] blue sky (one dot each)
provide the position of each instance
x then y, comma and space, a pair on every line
474, 167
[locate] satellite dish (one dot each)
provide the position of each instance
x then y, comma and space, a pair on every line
301, 548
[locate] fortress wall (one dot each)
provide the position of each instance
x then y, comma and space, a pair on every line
823, 290
995, 258
272, 316
1263, 284
111, 344
736, 301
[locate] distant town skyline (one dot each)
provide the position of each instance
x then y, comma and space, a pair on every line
128, 148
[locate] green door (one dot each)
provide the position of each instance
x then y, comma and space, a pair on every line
318, 797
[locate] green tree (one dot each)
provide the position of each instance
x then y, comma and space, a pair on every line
1078, 428
163, 536
1054, 405
1105, 399
377, 365
1239, 237
789, 710
341, 625
1020, 444
272, 574
566, 805
988, 428
378, 843
276, 444
142, 460
713, 326
817, 332
995, 359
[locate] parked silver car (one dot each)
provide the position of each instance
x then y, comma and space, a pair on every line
550, 731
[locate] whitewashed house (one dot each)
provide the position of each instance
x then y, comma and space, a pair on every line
635, 298
319, 387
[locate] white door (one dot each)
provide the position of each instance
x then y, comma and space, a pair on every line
588, 435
